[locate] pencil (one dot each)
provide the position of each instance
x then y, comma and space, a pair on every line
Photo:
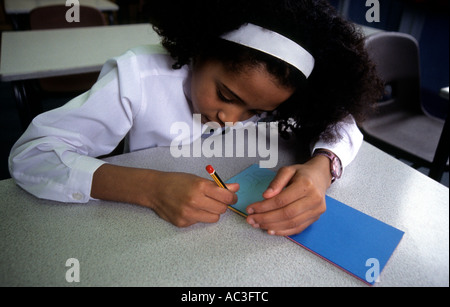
216, 177
220, 183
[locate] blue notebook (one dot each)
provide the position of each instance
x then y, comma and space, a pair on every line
348, 238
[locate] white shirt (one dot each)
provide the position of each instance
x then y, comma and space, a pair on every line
137, 95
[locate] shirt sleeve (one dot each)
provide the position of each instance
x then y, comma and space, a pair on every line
55, 157
347, 147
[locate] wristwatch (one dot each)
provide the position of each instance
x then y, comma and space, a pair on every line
335, 163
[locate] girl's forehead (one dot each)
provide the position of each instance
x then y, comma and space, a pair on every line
251, 84
257, 87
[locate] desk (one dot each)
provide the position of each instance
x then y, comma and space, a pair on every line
28, 55
124, 245
49, 53
20, 7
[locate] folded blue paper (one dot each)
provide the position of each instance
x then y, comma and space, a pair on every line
348, 238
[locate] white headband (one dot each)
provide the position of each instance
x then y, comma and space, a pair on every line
272, 43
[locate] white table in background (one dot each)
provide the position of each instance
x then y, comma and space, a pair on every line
29, 55
48, 53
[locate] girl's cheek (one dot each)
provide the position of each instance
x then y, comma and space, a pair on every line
205, 104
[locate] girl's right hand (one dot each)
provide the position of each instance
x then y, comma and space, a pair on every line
179, 198
185, 199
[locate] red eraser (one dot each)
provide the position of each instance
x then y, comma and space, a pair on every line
210, 169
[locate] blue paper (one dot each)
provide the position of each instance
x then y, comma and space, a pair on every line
348, 238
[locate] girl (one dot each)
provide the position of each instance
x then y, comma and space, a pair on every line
229, 61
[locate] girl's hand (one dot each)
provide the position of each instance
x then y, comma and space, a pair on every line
184, 199
294, 200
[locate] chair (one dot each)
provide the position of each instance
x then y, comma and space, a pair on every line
54, 17
400, 126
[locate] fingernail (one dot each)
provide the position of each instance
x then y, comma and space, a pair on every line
250, 211
252, 222
271, 232
269, 190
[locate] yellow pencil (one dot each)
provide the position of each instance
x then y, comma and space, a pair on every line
215, 176
220, 183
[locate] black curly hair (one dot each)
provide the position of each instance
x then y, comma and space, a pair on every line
343, 82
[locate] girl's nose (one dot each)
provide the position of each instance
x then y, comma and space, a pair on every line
232, 115
227, 117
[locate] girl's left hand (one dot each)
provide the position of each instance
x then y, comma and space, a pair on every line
294, 200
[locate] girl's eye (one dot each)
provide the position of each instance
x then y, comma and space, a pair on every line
222, 97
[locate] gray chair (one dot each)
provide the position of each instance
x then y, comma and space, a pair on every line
400, 125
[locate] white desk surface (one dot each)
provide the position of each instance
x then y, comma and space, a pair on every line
47, 53
118, 244
25, 6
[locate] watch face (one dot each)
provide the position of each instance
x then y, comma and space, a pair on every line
335, 164
336, 168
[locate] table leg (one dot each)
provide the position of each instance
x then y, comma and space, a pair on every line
28, 101
20, 21
442, 154
111, 18
14, 21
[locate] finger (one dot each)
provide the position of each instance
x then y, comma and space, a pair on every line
281, 180
208, 218
225, 196
212, 206
286, 197
286, 214
233, 187
293, 224
206, 210
188, 216
293, 231
289, 217
287, 228
202, 216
